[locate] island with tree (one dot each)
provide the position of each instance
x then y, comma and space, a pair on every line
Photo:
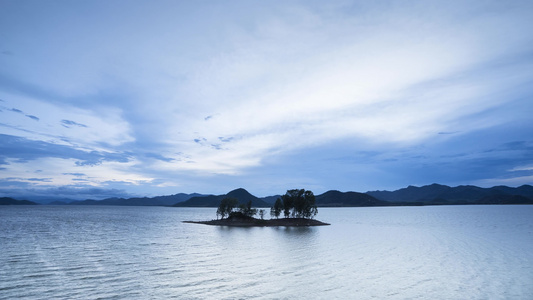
297, 205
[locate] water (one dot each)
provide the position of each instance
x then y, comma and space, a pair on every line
441, 252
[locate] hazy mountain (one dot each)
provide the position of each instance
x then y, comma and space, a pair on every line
505, 199
434, 194
214, 201
11, 201
464, 194
270, 199
43, 199
145, 201
336, 198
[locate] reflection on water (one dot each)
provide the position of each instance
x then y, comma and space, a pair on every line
69, 252
297, 231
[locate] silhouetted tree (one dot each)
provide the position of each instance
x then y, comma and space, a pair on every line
288, 204
300, 202
247, 210
261, 213
275, 211
226, 207
309, 209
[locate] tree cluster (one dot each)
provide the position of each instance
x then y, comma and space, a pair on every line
228, 205
297, 203
247, 209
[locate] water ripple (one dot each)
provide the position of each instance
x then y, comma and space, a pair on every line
147, 253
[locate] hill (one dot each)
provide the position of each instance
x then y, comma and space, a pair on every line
337, 198
11, 201
214, 201
145, 201
270, 199
464, 194
434, 194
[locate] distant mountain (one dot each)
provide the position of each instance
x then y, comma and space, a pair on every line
214, 201
145, 201
464, 194
336, 198
41, 199
434, 194
505, 199
270, 199
11, 201
328, 199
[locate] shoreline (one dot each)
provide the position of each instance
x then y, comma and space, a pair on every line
252, 222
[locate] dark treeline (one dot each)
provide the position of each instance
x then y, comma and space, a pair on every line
296, 203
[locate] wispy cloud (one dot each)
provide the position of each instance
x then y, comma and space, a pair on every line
69, 123
75, 174
77, 192
24, 150
316, 85
159, 157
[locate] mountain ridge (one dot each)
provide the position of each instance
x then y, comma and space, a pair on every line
462, 194
166, 200
433, 194
214, 200
11, 201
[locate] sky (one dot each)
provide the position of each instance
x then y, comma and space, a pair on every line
131, 98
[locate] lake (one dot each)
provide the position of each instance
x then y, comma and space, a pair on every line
111, 252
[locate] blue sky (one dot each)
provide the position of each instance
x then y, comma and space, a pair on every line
132, 98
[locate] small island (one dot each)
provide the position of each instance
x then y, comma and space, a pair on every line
298, 207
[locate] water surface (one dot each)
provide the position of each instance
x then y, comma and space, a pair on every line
109, 252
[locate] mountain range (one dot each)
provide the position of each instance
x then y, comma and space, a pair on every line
464, 194
11, 201
434, 194
145, 201
214, 201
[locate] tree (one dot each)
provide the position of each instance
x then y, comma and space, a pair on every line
275, 211
247, 210
226, 207
261, 213
300, 203
288, 204
309, 210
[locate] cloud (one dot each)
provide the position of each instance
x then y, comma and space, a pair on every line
221, 94
522, 168
226, 139
69, 123
24, 150
159, 157
75, 192
93, 127
40, 179
75, 174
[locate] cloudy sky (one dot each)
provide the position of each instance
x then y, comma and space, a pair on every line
132, 98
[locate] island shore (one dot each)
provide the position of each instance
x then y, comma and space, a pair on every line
253, 222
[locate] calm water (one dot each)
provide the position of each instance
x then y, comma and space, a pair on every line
444, 252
